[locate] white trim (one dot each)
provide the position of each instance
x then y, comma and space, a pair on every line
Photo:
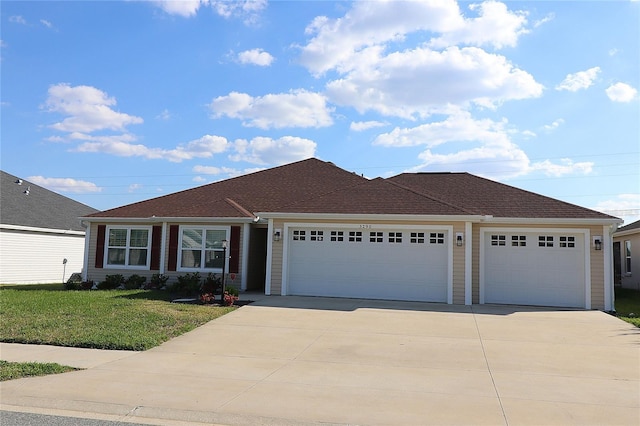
127, 248
43, 230
163, 248
607, 247
370, 217
85, 260
361, 226
226, 229
549, 221
267, 279
246, 229
154, 219
468, 263
619, 234
587, 253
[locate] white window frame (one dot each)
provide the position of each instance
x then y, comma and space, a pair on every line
127, 247
627, 257
203, 228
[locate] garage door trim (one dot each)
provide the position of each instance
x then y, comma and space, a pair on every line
587, 254
366, 227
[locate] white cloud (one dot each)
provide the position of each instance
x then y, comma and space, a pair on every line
88, 109
462, 143
624, 206
298, 108
359, 126
164, 115
65, 184
550, 17
621, 92
46, 23
495, 26
421, 81
212, 170
204, 147
256, 57
556, 123
134, 187
268, 151
17, 19
579, 80
248, 9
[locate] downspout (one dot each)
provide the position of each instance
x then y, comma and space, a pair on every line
87, 240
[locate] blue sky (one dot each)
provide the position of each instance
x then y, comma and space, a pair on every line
115, 102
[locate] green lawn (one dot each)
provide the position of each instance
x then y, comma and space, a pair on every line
628, 302
17, 370
104, 319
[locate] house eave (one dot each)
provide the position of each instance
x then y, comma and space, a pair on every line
370, 217
552, 220
41, 230
626, 233
162, 219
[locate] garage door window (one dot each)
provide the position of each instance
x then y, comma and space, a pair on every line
436, 238
375, 237
337, 236
299, 235
567, 242
417, 238
355, 236
498, 240
518, 241
545, 241
317, 235
395, 237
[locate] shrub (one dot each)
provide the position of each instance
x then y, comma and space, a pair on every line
211, 284
232, 291
156, 282
187, 284
111, 281
134, 282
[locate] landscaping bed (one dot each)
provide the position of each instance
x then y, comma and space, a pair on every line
628, 305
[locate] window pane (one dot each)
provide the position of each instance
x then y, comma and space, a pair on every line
213, 259
214, 239
139, 237
115, 256
192, 238
117, 237
138, 257
191, 258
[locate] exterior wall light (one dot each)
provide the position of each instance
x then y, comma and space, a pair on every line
459, 239
597, 242
277, 234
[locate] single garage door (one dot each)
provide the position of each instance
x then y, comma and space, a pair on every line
534, 268
392, 264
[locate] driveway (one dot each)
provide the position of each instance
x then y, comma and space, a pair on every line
296, 360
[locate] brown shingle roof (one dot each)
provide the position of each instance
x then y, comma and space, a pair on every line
266, 190
377, 196
486, 197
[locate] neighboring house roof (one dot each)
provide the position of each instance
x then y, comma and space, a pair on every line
41, 208
632, 228
315, 186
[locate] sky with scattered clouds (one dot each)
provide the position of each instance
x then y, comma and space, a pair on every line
114, 102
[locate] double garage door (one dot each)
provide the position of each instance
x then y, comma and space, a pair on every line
391, 264
543, 268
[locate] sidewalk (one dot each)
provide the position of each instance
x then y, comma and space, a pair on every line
71, 357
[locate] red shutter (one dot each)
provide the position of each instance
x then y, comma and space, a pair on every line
156, 247
100, 246
234, 250
173, 247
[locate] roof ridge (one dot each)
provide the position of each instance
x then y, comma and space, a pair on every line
238, 207
430, 196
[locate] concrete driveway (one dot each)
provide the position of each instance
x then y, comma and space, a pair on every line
296, 360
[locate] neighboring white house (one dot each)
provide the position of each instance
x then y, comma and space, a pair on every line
39, 229
626, 255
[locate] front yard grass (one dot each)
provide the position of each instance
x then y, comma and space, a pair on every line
102, 319
17, 370
627, 303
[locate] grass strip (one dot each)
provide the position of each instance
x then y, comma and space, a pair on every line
17, 370
628, 305
102, 319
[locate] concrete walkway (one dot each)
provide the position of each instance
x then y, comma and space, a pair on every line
296, 360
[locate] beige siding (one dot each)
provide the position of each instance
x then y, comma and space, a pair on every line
276, 261
597, 271
458, 266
